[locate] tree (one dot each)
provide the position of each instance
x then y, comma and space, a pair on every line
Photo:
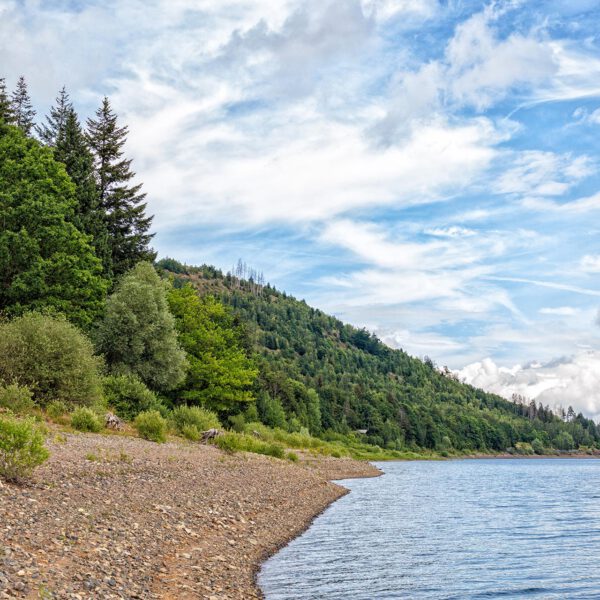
23, 113
71, 149
220, 374
6, 113
55, 122
564, 441
137, 334
44, 260
123, 202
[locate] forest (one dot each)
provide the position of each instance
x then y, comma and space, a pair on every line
91, 322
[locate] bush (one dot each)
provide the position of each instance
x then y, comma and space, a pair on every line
17, 398
51, 357
238, 423
538, 446
292, 456
21, 448
85, 419
151, 426
129, 396
186, 419
240, 442
56, 409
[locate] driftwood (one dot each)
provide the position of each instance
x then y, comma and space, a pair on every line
113, 422
210, 434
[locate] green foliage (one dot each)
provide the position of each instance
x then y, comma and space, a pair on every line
21, 448
191, 421
538, 446
564, 441
137, 334
51, 357
220, 373
85, 419
122, 202
44, 260
6, 113
240, 442
151, 426
17, 398
320, 374
129, 396
56, 409
291, 456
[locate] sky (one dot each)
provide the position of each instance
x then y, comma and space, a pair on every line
426, 169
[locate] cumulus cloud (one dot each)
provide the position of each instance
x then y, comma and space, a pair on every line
561, 311
590, 263
573, 381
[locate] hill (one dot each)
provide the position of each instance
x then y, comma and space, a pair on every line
331, 378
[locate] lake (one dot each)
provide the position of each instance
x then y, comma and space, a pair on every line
463, 529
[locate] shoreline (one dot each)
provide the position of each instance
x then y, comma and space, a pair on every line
110, 516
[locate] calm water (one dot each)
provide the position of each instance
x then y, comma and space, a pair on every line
460, 529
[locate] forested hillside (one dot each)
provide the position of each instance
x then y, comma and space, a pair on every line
329, 376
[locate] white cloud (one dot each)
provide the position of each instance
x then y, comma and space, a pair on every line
590, 263
561, 311
567, 381
452, 231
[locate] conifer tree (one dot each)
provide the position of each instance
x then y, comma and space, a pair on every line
6, 113
22, 108
48, 132
123, 202
71, 149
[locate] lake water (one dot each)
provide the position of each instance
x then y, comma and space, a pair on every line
456, 529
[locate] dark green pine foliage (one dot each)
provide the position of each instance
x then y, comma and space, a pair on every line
48, 132
6, 113
71, 149
122, 201
23, 113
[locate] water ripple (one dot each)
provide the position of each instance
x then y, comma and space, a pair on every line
459, 530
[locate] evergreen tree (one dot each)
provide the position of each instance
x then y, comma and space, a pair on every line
45, 262
23, 113
48, 132
71, 149
123, 203
6, 113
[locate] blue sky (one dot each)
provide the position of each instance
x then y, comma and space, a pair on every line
426, 169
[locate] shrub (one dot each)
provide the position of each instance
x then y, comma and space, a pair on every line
17, 398
240, 442
151, 426
21, 448
538, 446
56, 409
238, 423
193, 417
292, 456
129, 396
51, 357
85, 419
190, 432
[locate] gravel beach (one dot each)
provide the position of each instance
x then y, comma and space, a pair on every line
111, 516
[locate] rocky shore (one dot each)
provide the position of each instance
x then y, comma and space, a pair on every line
119, 517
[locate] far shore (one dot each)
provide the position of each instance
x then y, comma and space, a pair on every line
112, 516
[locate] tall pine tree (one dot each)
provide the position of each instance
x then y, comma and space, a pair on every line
48, 132
22, 108
128, 224
6, 113
71, 149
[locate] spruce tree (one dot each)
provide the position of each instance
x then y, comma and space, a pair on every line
6, 113
123, 202
71, 149
22, 108
48, 132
